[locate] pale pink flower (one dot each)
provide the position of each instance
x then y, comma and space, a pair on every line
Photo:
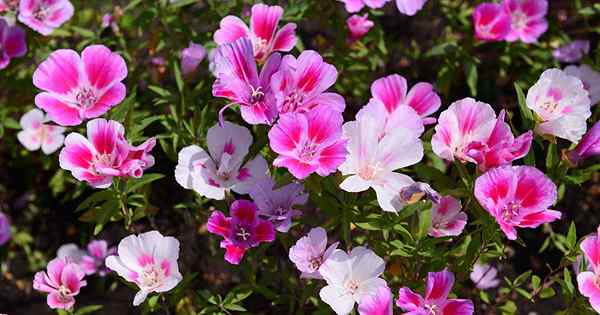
92, 260
484, 276
62, 281
12, 43
309, 142
588, 146
104, 154
212, 173
36, 134
107, 20
587, 281
191, 57
528, 19
5, 233
310, 252
438, 287
300, 84
410, 7
561, 103
379, 303
517, 196
447, 219
573, 51
277, 205
263, 32
78, 88
590, 79
243, 230
359, 26
491, 22
149, 260
44, 16
71, 252
353, 6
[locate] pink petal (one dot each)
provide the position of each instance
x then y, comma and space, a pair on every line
534, 190
408, 300
105, 135
423, 99
103, 67
285, 39
324, 124
410, 7
264, 20
233, 254
314, 76
55, 301
15, 44
77, 153
59, 111
439, 285
288, 133
71, 277
591, 248
390, 90
332, 157
379, 303
244, 211
219, 224
59, 73
264, 232
458, 307
353, 6
538, 218
230, 29
299, 169
586, 282
110, 98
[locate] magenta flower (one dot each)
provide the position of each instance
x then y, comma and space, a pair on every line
379, 303
263, 32
438, 286
12, 43
484, 276
36, 134
359, 26
517, 196
243, 230
3, 6
528, 19
491, 22
78, 88
587, 281
104, 154
5, 233
446, 218
43, 16
93, 261
410, 7
191, 57
573, 51
300, 84
310, 252
588, 146
590, 79
277, 205
62, 281
353, 6
309, 142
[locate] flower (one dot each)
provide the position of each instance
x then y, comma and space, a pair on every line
561, 103
350, 278
62, 281
43, 16
573, 51
263, 31
589, 78
438, 286
353, 6
517, 196
588, 146
243, 230
70, 252
309, 142
36, 134
372, 159
191, 57
239, 82
149, 260
527, 19
379, 303
92, 260
491, 22
359, 26
104, 154
78, 88
300, 84
446, 218
410, 7
277, 205
213, 173
310, 252
587, 281
5, 233
484, 276
12, 43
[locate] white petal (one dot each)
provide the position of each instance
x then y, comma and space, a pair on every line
140, 297
234, 136
258, 170
355, 183
52, 143
30, 139
340, 300
33, 119
190, 159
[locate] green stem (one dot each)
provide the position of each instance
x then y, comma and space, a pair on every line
464, 174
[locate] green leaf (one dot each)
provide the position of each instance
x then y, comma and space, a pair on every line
134, 184
547, 293
88, 309
527, 115
472, 76
95, 199
178, 78
160, 91
10, 123
521, 279
568, 280
551, 157
424, 223
572, 236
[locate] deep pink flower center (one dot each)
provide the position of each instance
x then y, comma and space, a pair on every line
152, 276
41, 12
85, 97
292, 102
103, 159
64, 293
308, 151
257, 95
510, 211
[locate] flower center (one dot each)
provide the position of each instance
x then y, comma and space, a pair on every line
519, 20
369, 172
103, 159
308, 152
64, 293
352, 286
510, 211
152, 276
41, 12
292, 102
257, 95
432, 309
85, 97
315, 263
242, 234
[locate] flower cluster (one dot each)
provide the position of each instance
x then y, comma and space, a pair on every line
511, 20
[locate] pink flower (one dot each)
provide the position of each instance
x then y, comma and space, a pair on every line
517, 196
62, 282
528, 19
353, 6
379, 303
43, 16
213, 173
36, 134
5, 233
561, 103
150, 261
587, 281
263, 31
410, 7
12, 43
104, 154
309, 142
359, 26
239, 82
590, 79
438, 286
310, 251
446, 218
484, 276
191, 57
78, 88
243, 230
277, 205
573, 51
588, 146
491, 22
90, 261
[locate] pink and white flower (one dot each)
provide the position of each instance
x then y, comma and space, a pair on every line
561, 103
491, 22
446, 218
517, 196
379, 303
5, 233
263, 33
350, 278
484, 276
277, 205
243, 230
353, 6
92, 260
36, 134
588, 146
590, 79
410, 7
359, 26
310, 252
78, 88
191, 57
309, 142
527, 18
150, 261
62, 281
300, 84
43, 16
572, 51
212, 173
12, 43
587, 281
438, 287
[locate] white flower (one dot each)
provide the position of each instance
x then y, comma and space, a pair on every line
37, 134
